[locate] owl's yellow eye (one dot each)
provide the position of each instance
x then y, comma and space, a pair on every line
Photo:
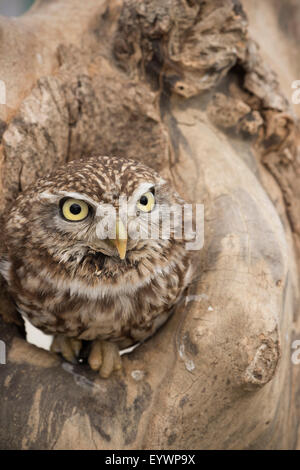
146, 202
75, 210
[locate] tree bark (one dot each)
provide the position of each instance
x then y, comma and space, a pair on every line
182, 86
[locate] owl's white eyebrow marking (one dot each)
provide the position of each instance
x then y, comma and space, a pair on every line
70, 194
140, 190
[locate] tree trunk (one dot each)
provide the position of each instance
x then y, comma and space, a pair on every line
182, 86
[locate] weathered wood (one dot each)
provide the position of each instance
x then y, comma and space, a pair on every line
181, 86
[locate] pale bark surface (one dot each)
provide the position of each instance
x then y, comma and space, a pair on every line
182, 86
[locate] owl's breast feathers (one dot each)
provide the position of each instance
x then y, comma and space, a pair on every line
98, 296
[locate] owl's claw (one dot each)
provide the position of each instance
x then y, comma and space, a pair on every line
104, 357
69, 348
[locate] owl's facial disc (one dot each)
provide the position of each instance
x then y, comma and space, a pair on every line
76, 210
84, 218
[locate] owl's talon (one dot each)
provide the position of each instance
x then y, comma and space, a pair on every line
69, 348
76, 345
105, 357
95, 357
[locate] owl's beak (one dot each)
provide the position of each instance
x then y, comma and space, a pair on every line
121, 239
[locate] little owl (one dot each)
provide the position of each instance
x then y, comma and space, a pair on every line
72, 281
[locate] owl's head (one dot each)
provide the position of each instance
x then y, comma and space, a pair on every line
108, 206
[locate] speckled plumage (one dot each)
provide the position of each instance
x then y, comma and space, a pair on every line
67, 281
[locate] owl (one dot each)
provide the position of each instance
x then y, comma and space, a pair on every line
84, 257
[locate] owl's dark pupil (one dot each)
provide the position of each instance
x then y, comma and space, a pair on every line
144, 200
75, 209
